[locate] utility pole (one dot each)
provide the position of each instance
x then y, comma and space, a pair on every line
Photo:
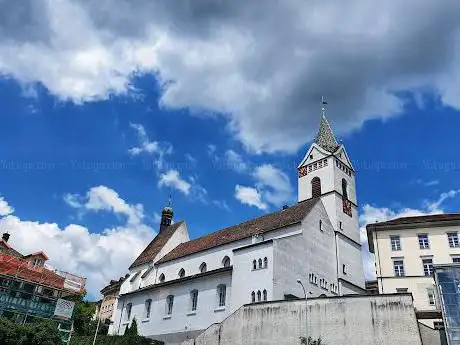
306, 310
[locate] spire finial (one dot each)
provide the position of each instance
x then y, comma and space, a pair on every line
323, 106
170, 199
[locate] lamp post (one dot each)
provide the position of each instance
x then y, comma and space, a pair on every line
306, 309
98, 315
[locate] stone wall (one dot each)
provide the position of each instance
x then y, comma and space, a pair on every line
350, 320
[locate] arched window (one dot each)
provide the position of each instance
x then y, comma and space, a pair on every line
265, 295
253, 297
344, 188
162, 278
148, 307
129, 306
181, 273
265, 262
316, 187
169, 304
260, 263
203, 267
254, 265
226, 261
259, 296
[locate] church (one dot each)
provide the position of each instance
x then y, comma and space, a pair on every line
178, 287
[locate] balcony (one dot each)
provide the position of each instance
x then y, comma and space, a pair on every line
29, 306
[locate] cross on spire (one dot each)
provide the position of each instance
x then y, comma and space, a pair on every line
325, 137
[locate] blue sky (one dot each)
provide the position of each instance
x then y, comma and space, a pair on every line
96, 134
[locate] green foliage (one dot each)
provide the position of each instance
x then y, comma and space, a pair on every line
130, 331
34, 333
114, 340
303, 341
83, 318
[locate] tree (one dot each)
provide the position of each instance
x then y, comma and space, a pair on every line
35, 333
132, 331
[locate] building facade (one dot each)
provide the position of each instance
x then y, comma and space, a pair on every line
178, 287
107, 305
405, 251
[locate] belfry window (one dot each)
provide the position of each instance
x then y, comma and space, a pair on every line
344, 188
315, 187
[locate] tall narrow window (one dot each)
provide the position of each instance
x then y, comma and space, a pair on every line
395, 243
260, 263
169, 304
265, 295
221, 294
427, 266
321, 225
129, 307
431, 298
398, 266
181, 273
259, 296
452, 237
423, 241
162, 278
344, 188
254, 265
316, 187
148, 307
226, 261
265, 262
203, 267
194, 299
253, 297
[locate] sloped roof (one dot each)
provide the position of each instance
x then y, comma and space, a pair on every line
10, 250
154, 247
417, 220
12, 266
260, 225
325, 137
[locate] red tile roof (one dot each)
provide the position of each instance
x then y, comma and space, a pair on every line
14, 267
154, 247
9, 250
417, 220
260, 225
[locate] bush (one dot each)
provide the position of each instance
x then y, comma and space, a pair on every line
130, 331
311, 341
114, 340
35, 333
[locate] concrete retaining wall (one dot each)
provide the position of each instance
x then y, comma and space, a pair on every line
350, 320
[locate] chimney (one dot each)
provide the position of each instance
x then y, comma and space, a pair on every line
285, 207
6, 237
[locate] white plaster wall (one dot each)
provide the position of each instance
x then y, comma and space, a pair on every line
326, 174
179, 236
181, 319
245, 279
360, 320
349, 254
313, 251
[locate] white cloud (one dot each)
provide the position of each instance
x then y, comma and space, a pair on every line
372, 214
250, 196
235, 161
5, 208
74, 248
217, 58
149, 147
428, 183
272, 186
173, 179
221, 204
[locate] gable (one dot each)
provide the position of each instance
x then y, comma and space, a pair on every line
317, 152
342, 155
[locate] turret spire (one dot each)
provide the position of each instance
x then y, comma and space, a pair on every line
325, 137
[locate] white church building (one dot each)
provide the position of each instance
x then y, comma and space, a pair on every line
178, 287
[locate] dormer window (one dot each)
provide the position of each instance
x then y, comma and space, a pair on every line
37, 262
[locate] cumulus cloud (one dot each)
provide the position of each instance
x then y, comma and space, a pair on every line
173, 179
250, 196
5, 208
265, 76
272, 187
235, 161
372, 214
98, 257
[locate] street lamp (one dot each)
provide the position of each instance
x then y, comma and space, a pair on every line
98, 315
306, 309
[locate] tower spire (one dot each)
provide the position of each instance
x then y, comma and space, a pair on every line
325, 137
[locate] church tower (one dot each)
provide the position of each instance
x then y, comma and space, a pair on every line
326, 172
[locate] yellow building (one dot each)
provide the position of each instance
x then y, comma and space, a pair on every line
405, 251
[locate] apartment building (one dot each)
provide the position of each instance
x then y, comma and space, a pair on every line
405, 251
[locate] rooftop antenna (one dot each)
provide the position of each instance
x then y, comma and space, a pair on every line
170, 198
